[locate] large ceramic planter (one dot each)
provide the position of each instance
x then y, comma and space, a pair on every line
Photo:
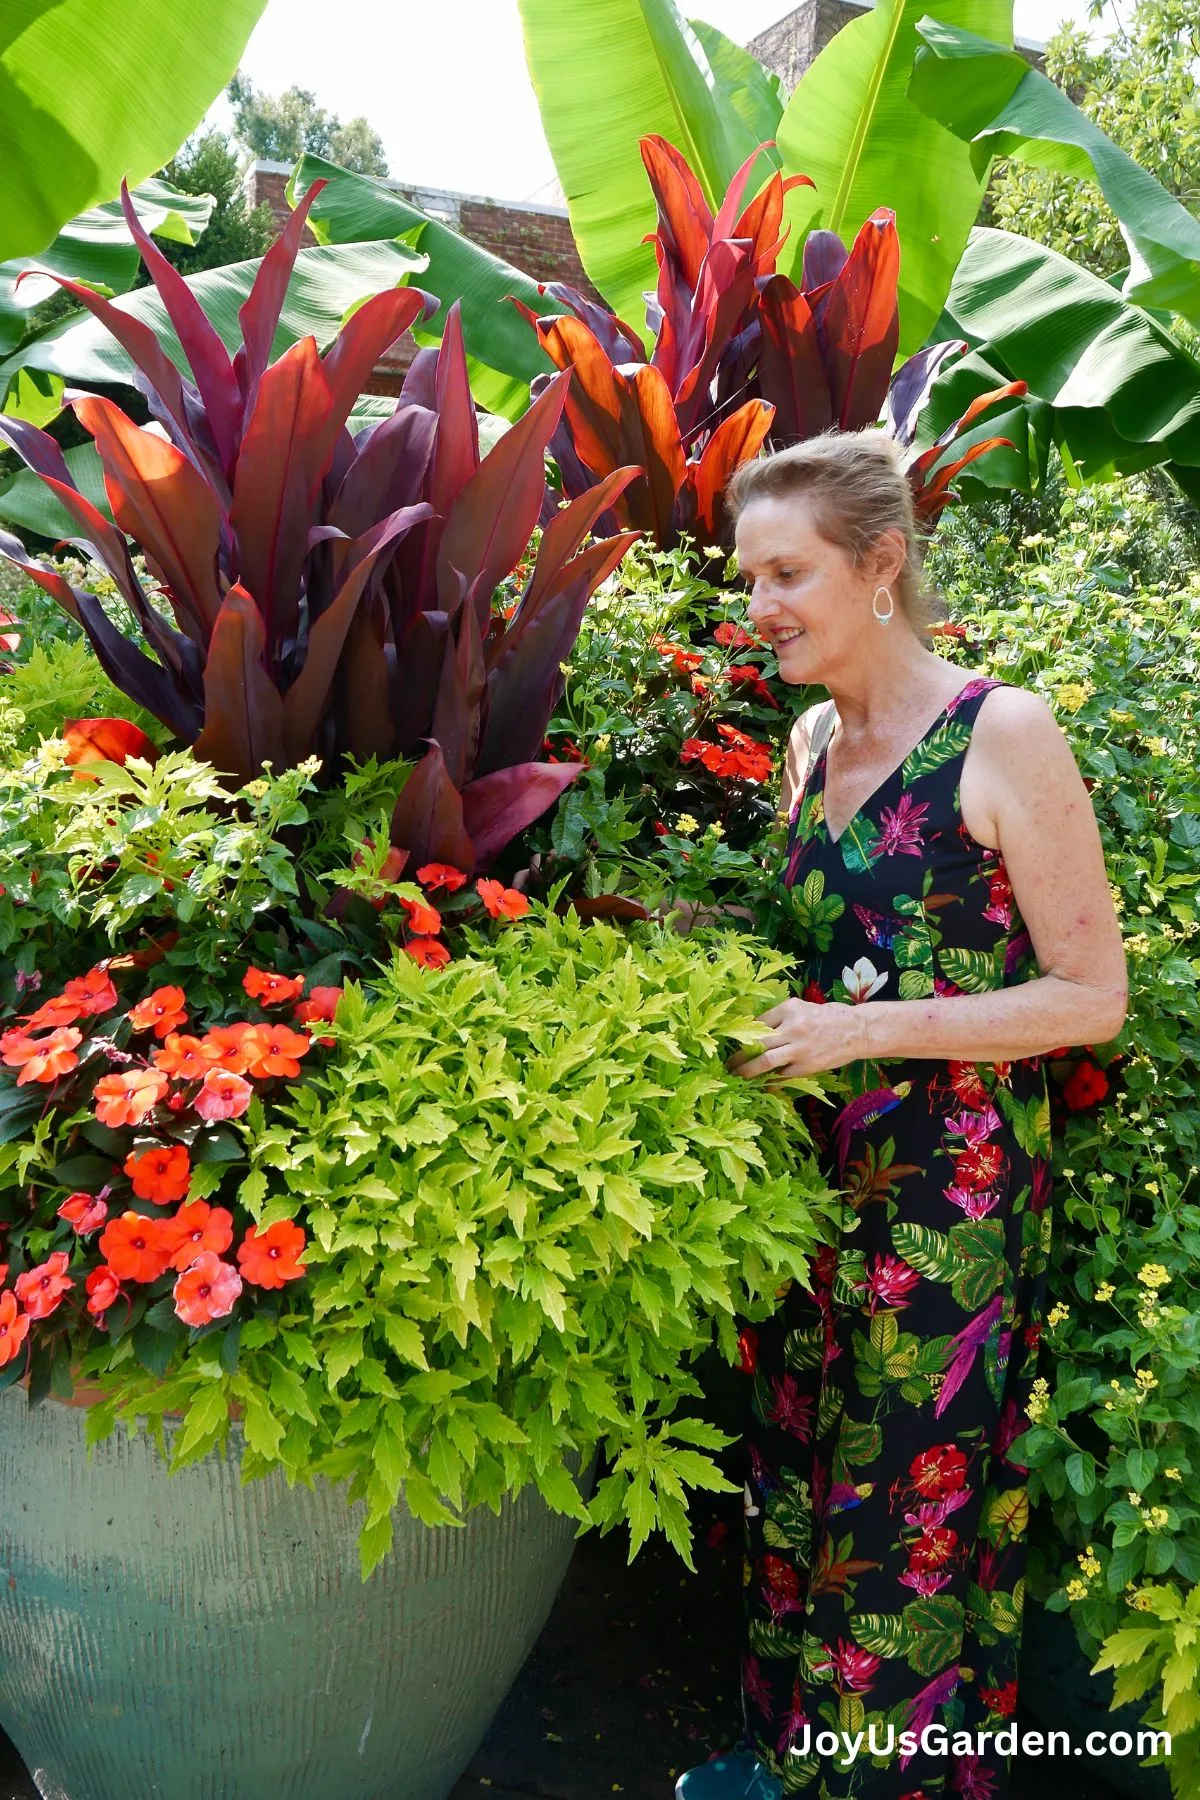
1063, 1695
185, 1637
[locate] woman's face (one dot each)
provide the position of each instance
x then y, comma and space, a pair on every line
807, 597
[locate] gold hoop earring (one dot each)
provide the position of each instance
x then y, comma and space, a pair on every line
885, 618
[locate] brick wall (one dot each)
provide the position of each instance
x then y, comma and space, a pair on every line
790, 45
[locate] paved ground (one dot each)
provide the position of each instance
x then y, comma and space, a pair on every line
632, 1680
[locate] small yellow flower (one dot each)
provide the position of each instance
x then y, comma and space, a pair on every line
1057, 1314
1172, 1475
686, 826
1159, 1516
1033, 541
1152, 1187
1145, 1379
1121, 718
1105, 1291
1077, 1590
1153, 1275
1071, 695
1115, 1384
1142, 1603
256, 789
716, 829
603, 741
1157, 745
1134, 1499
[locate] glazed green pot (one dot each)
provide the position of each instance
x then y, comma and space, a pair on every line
185, 1637
1061, 1692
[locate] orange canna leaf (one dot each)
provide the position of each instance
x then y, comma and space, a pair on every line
106, 740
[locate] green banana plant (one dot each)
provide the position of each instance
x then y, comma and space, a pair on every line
95, 91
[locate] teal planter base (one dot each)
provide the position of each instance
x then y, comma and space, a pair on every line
188, 1637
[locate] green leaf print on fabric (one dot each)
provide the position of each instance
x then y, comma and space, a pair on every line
859, 1441
769, 1639
788, 1524
974, 971
810, 818
814, 912
927, 1634
948, 741
883, 1634
912, 949
857, 844
970, 1256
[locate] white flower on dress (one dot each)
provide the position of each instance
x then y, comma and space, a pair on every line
862, 980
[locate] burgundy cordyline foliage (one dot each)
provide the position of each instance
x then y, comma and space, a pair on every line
332, 594
741, 356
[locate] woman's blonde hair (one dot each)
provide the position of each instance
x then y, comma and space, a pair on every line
858, 489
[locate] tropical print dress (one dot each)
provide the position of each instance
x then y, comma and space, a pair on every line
886, 1520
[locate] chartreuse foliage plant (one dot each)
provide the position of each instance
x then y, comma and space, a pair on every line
531, 1195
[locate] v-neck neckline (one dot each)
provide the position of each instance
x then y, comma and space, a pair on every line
878, 789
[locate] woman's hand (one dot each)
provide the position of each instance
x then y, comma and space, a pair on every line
804, 1038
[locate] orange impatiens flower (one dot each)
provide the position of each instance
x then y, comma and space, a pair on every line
162, 1174
128, 1099
161, 1012
272, 989
502, 902
43, 1058
271, 1257
135, 1248
429, 952
274, 1050
734, 637
195, 1229
102, 1289
83, 997
424, 919
441, 875
14, 1327
84, 1212
319, 1007
40, 1290
208, 1290
223, 1095
225, 1047
186, 1058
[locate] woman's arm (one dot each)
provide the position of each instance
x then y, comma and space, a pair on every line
1021, 791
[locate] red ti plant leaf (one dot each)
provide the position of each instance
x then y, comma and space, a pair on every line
275, 488
734, 442
367, 334
428, 817
9, 640
494, 513
456, 715
912, 385
563, 535
243, 709
685, 224
593, 407
861, 324
649, 437
497, 806
388, 470
791, 369
723, 298
620, 341
259, 313
161, 500
201, 342
105, 740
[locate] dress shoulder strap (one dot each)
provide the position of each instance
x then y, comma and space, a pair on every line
821, 733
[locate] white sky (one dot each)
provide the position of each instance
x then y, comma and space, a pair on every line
445, 85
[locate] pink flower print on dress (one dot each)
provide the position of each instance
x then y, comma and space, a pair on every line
755, 1685
972, 1781
780, 1587
925, 1581
890, 1282
1000, 909
975, 1206
900, 828
974, 1126
789, 1408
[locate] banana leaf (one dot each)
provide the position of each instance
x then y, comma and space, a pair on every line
502, 354
851, 126
27, 503
1123, 394
991, 99
327, 285
95, 90
607, 75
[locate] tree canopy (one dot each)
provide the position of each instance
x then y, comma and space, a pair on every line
281, 127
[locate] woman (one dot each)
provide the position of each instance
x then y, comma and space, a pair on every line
954, 919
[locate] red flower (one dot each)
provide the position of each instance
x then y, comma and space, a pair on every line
319, 1007
83, 996
1000, 1700
84, 1212
208, 1290
106, 740
891, 1281
223, 1095
938, 1471
102, 1289
747, 1350
967, 1083
195, 1230
683, 661
441, 875
422, 918
14, 1327
184, 1057
271, 1257
814, 994
502, 902
9, 640
40, 1290
161, 1012
748, 675
853, 1668
135, 1248
128, 1099
978, 1167
274, 1050
225, 1047
44, 1058
934, 1548
1087, 1086
658, 828
272, 989
429, 952
162, 1174
734, 637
